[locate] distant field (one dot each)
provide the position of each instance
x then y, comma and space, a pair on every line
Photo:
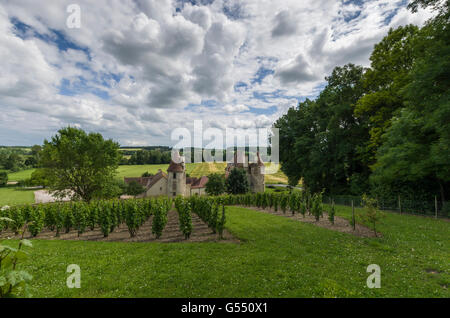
21, 175
14, 195
193, 169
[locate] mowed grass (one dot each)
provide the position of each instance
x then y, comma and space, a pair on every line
15, 195
277, 257
20, 175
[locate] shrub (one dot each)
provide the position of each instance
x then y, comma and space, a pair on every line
371, 215
80, 217
135, 188
159, 220
69, 219
303, 208
215, 184
237, 182
316, 206
331, 213
132, 218
3, 179
184, 214
104, 219
36, 221
221, 223
16, 214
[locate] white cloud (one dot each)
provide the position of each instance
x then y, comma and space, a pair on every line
145, 68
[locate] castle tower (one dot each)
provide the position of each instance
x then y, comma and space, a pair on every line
256, 175
176, 181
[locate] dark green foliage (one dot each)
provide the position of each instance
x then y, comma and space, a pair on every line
184, 214
159, 218
3, 179
316, 206
17, 215
36, 221
104, 219
221, 222
384, 129
68, 217
134, 188
331, 214
80, 162
237, 182
215, 184
80, 213
132, 219
284, 201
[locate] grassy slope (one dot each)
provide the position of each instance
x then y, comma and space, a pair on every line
278, 257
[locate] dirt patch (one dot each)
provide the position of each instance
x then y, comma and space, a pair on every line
340, 224
171, 233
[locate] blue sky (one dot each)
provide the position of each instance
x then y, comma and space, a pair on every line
136, 70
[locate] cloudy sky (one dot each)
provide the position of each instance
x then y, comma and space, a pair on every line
137, 69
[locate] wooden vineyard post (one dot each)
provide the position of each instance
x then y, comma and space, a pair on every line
353, 216
399, 204
435, 207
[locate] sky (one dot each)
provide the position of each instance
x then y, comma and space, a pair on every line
135, 70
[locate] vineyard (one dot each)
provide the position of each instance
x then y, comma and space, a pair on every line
154, 219
120, 220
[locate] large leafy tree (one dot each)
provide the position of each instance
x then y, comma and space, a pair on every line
417, 146
319, 139
391, 61
83, 163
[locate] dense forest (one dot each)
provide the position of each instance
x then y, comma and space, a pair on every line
385, 129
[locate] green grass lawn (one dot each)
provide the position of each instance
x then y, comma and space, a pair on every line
15, 195
20, 175
277, 257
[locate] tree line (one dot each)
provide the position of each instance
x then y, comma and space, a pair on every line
383, 130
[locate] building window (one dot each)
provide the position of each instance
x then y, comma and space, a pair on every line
174, 194
174, 175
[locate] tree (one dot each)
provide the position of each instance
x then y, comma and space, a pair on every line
237, 182
391, 61
3, 179
135, 188
439, 5
146, 174
416, 148
40, 178
13, 162
215, 184
319, 139
82, 163
371, 215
